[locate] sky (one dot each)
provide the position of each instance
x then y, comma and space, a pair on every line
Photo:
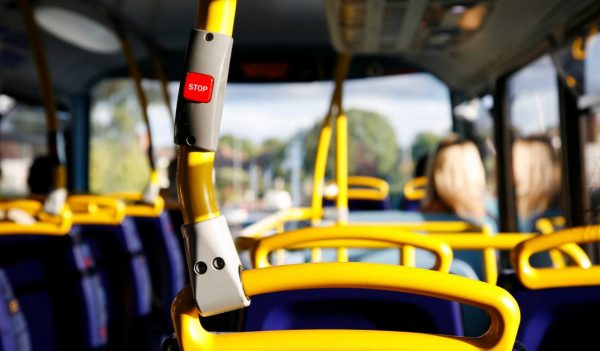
413, 103
534, 94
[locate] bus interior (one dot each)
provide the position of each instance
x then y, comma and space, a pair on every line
299, 175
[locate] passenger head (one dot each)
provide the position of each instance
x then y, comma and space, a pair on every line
536, 175
456, 179
40, 179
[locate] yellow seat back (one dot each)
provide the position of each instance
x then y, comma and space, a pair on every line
500, 305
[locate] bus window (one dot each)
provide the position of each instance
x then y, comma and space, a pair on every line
474, 121
260, 163
119, 139
22, 139
414, 113
589, 101
534, 118
392, 121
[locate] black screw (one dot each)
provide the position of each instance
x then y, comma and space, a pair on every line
218, 263
191, 141
209, 37
200, 267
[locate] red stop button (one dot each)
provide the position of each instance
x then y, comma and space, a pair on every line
198, 87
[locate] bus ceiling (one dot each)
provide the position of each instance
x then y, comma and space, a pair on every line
465, 43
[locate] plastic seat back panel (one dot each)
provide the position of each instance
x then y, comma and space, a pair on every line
14, 333
352, 309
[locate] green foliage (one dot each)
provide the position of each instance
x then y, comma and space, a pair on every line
424, 144
227, 175
372, 145
248, 148
118, 160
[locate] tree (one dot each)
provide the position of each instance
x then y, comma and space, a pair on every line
118, 160
424, 144
372, 145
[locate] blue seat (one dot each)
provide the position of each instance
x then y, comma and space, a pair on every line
60, 294
352, 309
14, 333
124, 271
556, 318
165, 261
363, 205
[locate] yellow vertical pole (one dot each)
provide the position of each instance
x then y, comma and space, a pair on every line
325, 135
280, 253
45, 83
342, 254
320, 169
341, 166
545, 226
316, 255
136, 76
407, 257
341, 136
164, 83
490, 260
195, 168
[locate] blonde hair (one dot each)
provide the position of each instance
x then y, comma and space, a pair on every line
536, 175
456, 179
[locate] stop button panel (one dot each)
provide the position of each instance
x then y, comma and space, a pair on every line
198, 87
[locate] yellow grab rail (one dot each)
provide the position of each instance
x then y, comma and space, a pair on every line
30, 206
573, 251
272, 223
414, 189
365, 188
136, 207
428, 226
45, 223
341, 166
482, 240
379, 188
500, 305
540, 278
351, 236
95, 209
268, 226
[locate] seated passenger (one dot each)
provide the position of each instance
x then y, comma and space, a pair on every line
456, 184
40, 179
536, 179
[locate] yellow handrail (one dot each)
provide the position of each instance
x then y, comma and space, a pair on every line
573, 251
414, 189
28, 205
45, 223
500, 305
380, 189
365, 188
268, 225
95, 209
540, 278
136, 207
351, 237
483, 240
